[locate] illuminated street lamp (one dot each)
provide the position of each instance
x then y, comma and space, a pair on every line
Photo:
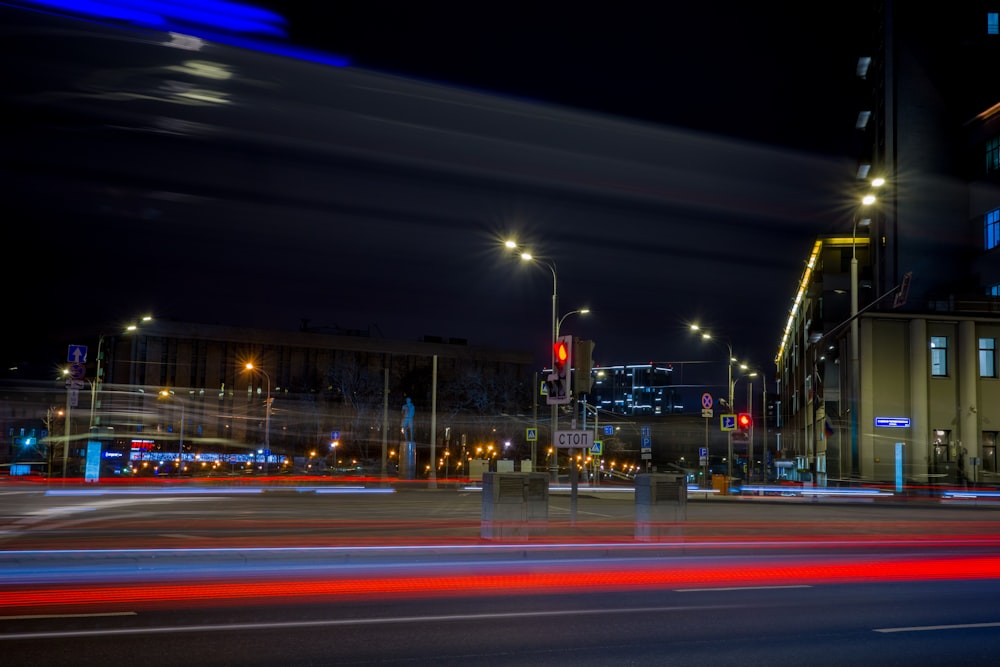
867, 200
98, 382
731, 384
267, 413
528, 257
579, 311
166, 393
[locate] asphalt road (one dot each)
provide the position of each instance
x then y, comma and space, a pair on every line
404, 576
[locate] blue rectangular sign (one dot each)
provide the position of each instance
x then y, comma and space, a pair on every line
892, 422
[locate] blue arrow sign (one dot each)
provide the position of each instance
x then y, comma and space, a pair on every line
77, 354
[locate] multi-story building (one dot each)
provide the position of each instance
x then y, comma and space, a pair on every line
888, 362
171, 394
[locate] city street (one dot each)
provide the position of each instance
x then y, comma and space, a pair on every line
303, 575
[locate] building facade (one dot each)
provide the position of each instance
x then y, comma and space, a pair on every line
887, 365
168, 395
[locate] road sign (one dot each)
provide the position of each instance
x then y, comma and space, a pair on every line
531, 435
727, 422
647, 445
77, 354
609, 430
574, 439
706, 400
644, 431
597, 448
703, 452
335, 435
892, 422
77, 371
707, 413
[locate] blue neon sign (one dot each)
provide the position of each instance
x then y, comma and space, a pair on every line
892, 422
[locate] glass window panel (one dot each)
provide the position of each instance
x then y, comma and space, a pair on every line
939, 356
988, 357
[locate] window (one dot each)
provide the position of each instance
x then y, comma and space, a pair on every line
993, 290
989, 451
941, 451
993, 155
987, 357
992, 23
991, 229
939, 356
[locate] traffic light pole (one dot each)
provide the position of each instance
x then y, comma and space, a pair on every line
554, 420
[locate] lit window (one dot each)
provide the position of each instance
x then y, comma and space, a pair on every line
939, 356
993, 155
988, 357
993, 290
991, 227
864, 62
989, 441
862, 122
992, 23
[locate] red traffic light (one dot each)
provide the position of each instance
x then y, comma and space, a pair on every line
744, 420
561, 350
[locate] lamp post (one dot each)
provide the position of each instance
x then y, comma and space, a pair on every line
763, 414
528, 257
267, 414
166, 393
98, 384
866, 201
731, 385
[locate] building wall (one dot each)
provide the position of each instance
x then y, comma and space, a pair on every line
948, 414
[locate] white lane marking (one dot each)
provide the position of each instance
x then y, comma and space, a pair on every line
932, 628
739, 588
333, 622
24, 617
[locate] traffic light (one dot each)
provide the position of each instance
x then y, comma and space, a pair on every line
562, 364
583, 351
744, 421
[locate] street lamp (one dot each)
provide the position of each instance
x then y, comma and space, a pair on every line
731, 384
528, 257
98, 383
763, 414
166, 393
579, 311
868, 200
267, 413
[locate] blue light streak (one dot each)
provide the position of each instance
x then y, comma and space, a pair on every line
227, 23
207, 13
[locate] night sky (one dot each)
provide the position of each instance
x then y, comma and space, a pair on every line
728, 130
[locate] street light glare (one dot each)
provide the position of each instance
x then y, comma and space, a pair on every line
510, 244
526, 256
